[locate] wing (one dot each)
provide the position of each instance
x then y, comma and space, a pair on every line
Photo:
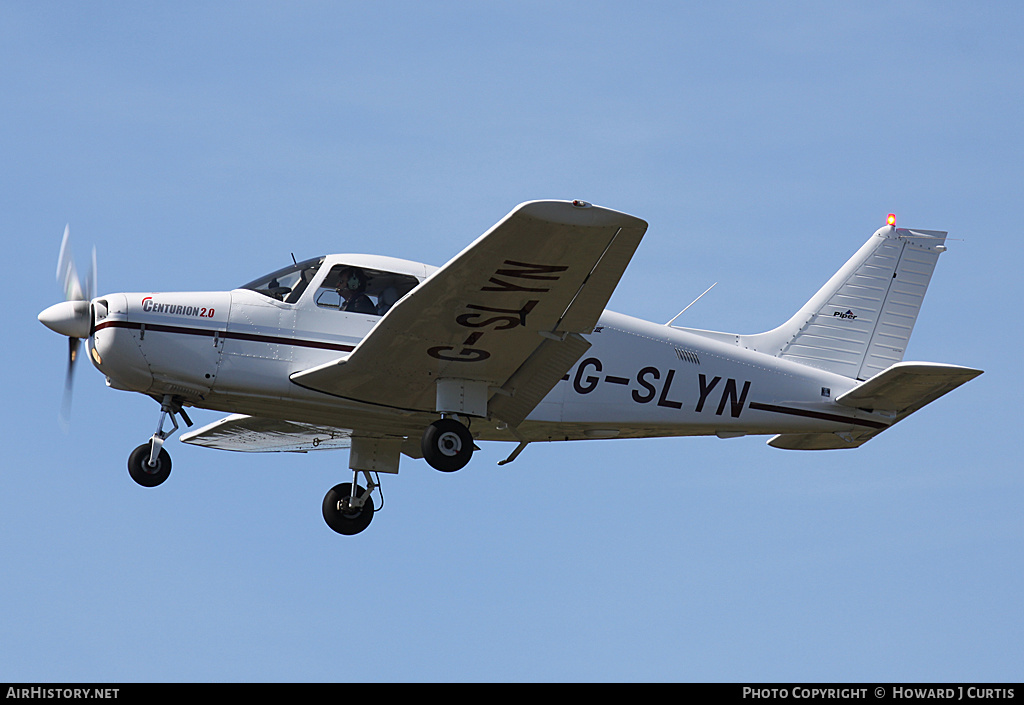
254, 434
515, 301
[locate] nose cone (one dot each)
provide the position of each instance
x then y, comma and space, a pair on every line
70, 318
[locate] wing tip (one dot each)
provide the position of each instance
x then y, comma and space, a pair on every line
577, 212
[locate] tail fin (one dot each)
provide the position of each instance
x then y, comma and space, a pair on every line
859, 323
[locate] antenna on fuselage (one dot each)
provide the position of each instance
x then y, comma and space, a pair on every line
691, 304
294, 261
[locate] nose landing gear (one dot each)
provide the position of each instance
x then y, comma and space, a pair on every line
149, 464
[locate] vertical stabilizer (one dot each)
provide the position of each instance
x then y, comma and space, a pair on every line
859, 323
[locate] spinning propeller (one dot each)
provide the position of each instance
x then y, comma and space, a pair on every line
72, 316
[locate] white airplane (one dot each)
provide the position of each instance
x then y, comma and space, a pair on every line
509, 341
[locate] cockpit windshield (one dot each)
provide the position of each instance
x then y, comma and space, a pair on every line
286, 284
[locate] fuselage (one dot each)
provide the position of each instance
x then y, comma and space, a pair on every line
235, 351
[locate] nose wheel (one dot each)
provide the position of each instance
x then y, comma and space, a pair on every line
447, 445
143, 472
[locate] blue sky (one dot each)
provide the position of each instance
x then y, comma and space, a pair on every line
197, 145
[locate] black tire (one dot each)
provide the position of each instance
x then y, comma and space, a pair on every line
138, 466
342, 520
447, 445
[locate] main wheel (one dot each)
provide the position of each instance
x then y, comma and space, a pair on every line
142, 473
339, 516
447, 445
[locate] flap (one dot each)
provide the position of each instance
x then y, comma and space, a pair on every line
536, 377
547, 267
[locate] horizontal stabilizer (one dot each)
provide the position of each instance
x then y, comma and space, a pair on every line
907, 386
819, 441
897, 392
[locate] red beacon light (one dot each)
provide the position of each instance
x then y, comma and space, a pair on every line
890, 220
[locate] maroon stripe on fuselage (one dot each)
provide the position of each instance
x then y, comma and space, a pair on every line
816, 415
233, 335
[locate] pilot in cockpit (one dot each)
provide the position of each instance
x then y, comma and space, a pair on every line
352, 288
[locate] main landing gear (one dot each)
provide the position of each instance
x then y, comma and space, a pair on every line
348, 508
346, 511
447, 445
149, 464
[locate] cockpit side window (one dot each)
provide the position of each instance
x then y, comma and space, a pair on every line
361, 290
287, 284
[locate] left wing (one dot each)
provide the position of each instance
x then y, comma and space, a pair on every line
514, 301
255, 434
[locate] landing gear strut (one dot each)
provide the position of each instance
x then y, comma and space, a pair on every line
447, 445
149, 464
